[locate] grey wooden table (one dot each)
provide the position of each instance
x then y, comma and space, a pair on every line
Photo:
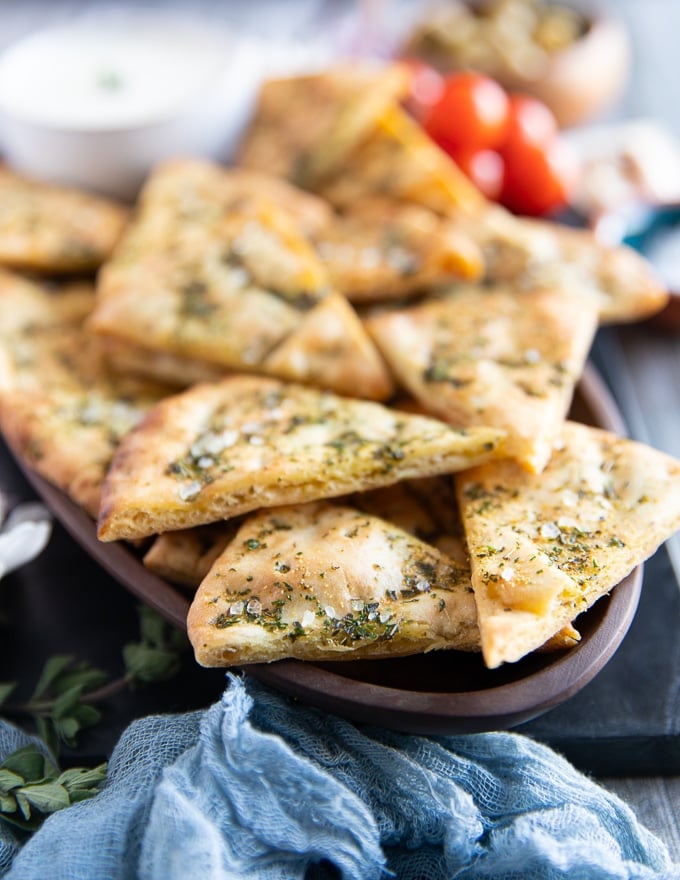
642, 366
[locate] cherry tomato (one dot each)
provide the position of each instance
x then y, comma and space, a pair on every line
537, 180
483, 167
426, 86
529, 122
472, 112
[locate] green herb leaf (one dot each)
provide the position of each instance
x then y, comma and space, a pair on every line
47, 797
6, 688
26, 798
47, 733
51, 671
77, 779
66, 702
9, 780
147, 664
29, 763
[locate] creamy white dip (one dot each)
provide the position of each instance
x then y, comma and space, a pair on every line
110, 75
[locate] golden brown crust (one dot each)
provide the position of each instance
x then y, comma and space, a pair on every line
327, 582
212, 271
491, 356
55, 229
305, 126
185, 557
399, 161
61, 409
222, 449
331, 349
544, 548
382, 248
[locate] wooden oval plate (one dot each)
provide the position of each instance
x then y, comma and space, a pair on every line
443, 692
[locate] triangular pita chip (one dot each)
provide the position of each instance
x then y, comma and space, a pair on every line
305, 126
331, 349
537, 254
185, 557
55, 229
204, 275
61, 409
328, 582
622, 281
381, 248
212, 271
222, 449
493, 357
544, 548
400, 161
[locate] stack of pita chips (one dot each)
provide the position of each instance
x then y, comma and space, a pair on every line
368, 454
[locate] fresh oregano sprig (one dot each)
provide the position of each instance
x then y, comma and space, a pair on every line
62, 704
32, 787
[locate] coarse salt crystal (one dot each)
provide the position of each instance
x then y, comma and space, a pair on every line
550, 530
189, 491
254, 606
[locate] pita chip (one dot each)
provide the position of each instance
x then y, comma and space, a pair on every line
381, 249
331, 349
304, 127
544, 548
398, 160
61, 409
219, 450
213, 272
55, 229
328, 582
491, 356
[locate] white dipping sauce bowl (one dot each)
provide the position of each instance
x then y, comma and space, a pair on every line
98, 103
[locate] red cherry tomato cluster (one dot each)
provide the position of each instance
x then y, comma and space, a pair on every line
509, 145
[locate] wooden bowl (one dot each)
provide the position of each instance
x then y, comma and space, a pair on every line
443, 692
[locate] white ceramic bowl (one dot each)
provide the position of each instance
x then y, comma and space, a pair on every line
97, 103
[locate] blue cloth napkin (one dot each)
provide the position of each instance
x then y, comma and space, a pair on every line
259, 786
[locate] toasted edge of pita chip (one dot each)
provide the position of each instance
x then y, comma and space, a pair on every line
185, 557
222, 449
305, 126
400, 161
45, 227
544, 548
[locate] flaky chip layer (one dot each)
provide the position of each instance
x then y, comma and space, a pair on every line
227, 448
